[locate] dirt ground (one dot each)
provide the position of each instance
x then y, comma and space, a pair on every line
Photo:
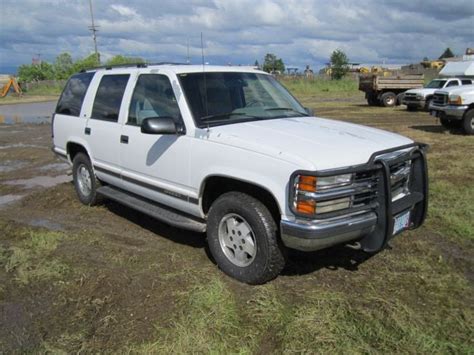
106, 279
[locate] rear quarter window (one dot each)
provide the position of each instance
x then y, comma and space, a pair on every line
466, 82
71, 99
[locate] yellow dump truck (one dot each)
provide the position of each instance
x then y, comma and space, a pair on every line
388, 90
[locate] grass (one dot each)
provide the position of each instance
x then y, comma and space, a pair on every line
46, 89
320, 86
31, 259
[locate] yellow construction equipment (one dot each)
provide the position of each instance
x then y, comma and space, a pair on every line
9, 82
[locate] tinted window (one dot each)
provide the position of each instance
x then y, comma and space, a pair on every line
231, 97
71, 99
153, 97
109, 97
452, 83
466, 82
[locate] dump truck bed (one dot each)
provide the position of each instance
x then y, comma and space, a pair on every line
375, 83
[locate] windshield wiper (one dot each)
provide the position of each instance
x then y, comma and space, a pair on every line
286, 109
227, 114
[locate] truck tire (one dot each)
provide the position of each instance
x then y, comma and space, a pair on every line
85, 181
468, 122
388, 99
427, 103
243, 239
372, 100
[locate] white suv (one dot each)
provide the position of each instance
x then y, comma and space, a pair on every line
229, 151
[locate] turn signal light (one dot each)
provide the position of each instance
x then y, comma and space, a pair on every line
306, 207
307, 183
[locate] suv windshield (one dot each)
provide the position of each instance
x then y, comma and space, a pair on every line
218, 98
436, 84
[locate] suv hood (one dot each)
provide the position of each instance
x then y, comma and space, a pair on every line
423, 91
308, 142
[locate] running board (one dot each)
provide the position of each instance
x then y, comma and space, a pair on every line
152, 209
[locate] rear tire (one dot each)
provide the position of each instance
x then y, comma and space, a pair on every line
468, 122
372, 100
388, 99
243, 238
85, 181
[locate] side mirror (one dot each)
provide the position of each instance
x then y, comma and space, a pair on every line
309, 111
160, 125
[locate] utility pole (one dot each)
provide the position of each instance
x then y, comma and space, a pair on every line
94, 30
187, 46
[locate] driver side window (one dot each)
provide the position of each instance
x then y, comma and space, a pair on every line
153, 96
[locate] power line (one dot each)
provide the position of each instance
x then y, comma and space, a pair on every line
94, 30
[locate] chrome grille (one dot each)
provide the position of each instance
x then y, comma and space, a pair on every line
440, 99
400, 179
368, 182
410, 97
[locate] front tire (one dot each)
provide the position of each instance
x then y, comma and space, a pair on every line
243, 238
85, 182
468, 122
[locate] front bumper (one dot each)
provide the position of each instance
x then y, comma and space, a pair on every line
316, 235
414, 103
448, 111
374, 226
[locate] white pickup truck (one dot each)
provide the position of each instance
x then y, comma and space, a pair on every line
455, 107
229, 151
420, 98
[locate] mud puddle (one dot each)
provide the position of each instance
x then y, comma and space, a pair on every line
39, 181
11, 165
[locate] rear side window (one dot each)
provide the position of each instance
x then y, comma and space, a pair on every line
109, 97
466, 82
71, 99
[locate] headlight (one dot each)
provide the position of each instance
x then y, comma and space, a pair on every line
309, 191
455, 100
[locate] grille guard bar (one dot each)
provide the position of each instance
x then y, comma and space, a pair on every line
386, 209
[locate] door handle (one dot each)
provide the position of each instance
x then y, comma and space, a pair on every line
124, 139
87, 131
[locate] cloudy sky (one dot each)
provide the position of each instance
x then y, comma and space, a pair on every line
237, 31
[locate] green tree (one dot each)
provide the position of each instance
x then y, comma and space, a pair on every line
339, 64
272, 64
85, 63
63, 66
120, 59
35, 72
448, 53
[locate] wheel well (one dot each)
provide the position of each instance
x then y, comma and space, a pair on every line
74, 148
215, 186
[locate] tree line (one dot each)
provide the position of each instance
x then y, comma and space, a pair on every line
64, 66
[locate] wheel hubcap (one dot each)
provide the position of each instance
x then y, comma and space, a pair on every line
237, 240
84, 180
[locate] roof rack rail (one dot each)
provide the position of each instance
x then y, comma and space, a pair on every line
131, 65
